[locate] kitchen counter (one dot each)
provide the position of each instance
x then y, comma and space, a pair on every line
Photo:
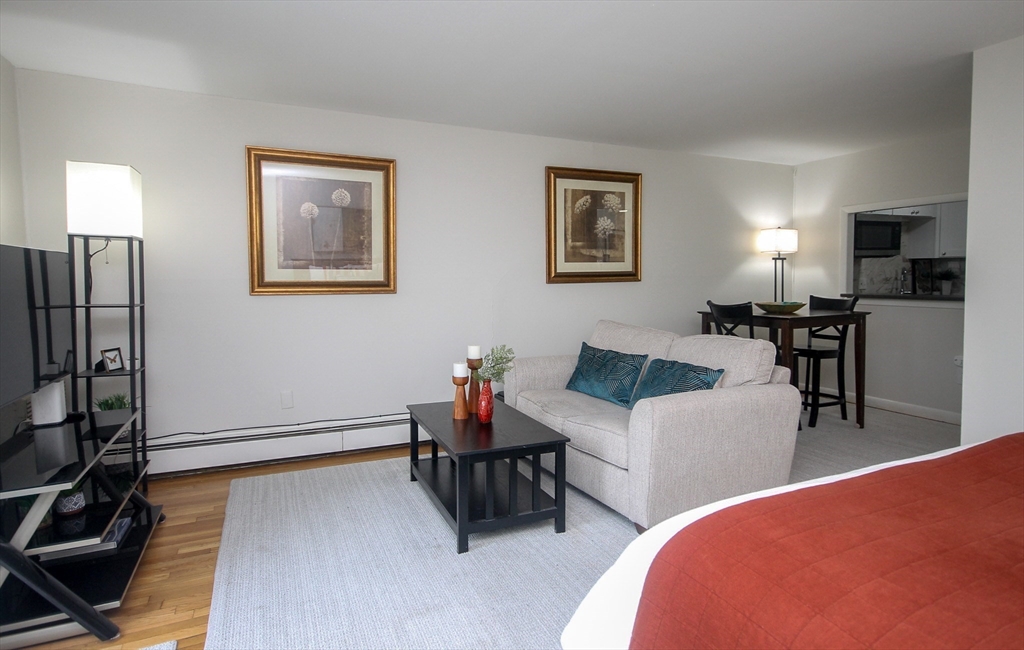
904, 296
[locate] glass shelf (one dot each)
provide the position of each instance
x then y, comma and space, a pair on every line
101, 581
49, 459
89, 527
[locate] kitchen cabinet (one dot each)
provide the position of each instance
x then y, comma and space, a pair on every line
943, 233
953, 229
920, 211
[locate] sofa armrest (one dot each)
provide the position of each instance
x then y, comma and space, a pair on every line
780, 375
538, 373
689, 449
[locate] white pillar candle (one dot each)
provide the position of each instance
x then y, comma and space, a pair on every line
460, 370
474, 352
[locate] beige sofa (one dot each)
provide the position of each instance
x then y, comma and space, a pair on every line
672, 453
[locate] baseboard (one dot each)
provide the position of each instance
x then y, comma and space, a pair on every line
926, 412
226, 452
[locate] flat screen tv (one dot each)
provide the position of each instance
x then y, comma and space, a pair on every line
35, 320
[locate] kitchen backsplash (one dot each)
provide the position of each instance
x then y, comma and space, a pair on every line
896, 275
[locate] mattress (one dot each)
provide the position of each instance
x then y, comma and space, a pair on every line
605, 619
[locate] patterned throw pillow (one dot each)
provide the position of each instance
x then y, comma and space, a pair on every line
606, 374
667, 377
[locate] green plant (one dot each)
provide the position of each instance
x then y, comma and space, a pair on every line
77, 487
947, 274
112, 402
496, 363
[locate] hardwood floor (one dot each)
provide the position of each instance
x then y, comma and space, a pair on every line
169, 599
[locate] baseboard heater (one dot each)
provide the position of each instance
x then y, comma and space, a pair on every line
188, 451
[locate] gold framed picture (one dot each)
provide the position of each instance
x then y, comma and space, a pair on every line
593, 225
320, 222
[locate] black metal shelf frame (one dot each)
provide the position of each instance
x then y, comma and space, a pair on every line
135, 367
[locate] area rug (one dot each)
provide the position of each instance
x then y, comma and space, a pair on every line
356, 556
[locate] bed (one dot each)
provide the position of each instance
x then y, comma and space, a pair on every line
925, 552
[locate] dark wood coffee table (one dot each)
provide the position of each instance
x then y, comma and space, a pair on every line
478, 486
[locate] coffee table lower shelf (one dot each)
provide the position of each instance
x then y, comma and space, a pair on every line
439, 478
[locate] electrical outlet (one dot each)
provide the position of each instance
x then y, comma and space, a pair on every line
287, 401
958, 361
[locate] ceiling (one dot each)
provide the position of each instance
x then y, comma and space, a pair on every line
783, 82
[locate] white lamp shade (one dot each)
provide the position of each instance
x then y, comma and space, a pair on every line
104, 200
777, 240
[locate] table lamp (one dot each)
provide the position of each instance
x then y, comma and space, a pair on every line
778, 241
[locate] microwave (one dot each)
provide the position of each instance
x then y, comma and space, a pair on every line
876, 238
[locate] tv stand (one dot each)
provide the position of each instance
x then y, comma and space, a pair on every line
57, 578
74, 568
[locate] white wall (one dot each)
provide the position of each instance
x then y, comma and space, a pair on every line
12, 214
470, 216
910, 347
994, 323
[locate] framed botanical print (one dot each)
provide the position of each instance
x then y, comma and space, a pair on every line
593, 225
320, 222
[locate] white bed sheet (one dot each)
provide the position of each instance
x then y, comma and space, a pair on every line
605, 617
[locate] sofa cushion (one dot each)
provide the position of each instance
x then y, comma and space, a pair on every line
746, 361
606, 374
554, 406
664, 377
600, 434
631, 339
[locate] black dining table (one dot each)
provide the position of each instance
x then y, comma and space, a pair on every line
781, 330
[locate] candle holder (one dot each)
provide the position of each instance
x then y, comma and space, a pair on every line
460, 410
474, 385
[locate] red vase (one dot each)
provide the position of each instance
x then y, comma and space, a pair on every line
485, 410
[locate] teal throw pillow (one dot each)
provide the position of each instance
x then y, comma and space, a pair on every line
665, 377
606, 374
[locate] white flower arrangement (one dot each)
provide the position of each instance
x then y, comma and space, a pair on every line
604, 227
341, 198
309, 210
611, 202
582, 204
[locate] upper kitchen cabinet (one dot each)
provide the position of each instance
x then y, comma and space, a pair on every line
953, 229
922, 211
937, 231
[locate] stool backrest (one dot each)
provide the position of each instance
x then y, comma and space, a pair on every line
830, 332
729, 318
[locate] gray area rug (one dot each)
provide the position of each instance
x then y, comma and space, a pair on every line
835, 446
357, 556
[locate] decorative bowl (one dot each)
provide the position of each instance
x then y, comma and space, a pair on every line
780, 307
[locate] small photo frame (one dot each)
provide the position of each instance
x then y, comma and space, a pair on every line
112, 359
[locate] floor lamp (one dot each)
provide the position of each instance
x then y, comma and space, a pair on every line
778, 241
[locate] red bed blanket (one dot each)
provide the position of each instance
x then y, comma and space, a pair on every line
929, 554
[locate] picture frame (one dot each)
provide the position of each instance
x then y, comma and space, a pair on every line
593, 225
320, 223
112, 359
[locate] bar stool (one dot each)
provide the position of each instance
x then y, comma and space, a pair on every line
812, 392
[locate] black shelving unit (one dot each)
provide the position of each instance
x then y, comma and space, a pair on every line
65, 573
134, 309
